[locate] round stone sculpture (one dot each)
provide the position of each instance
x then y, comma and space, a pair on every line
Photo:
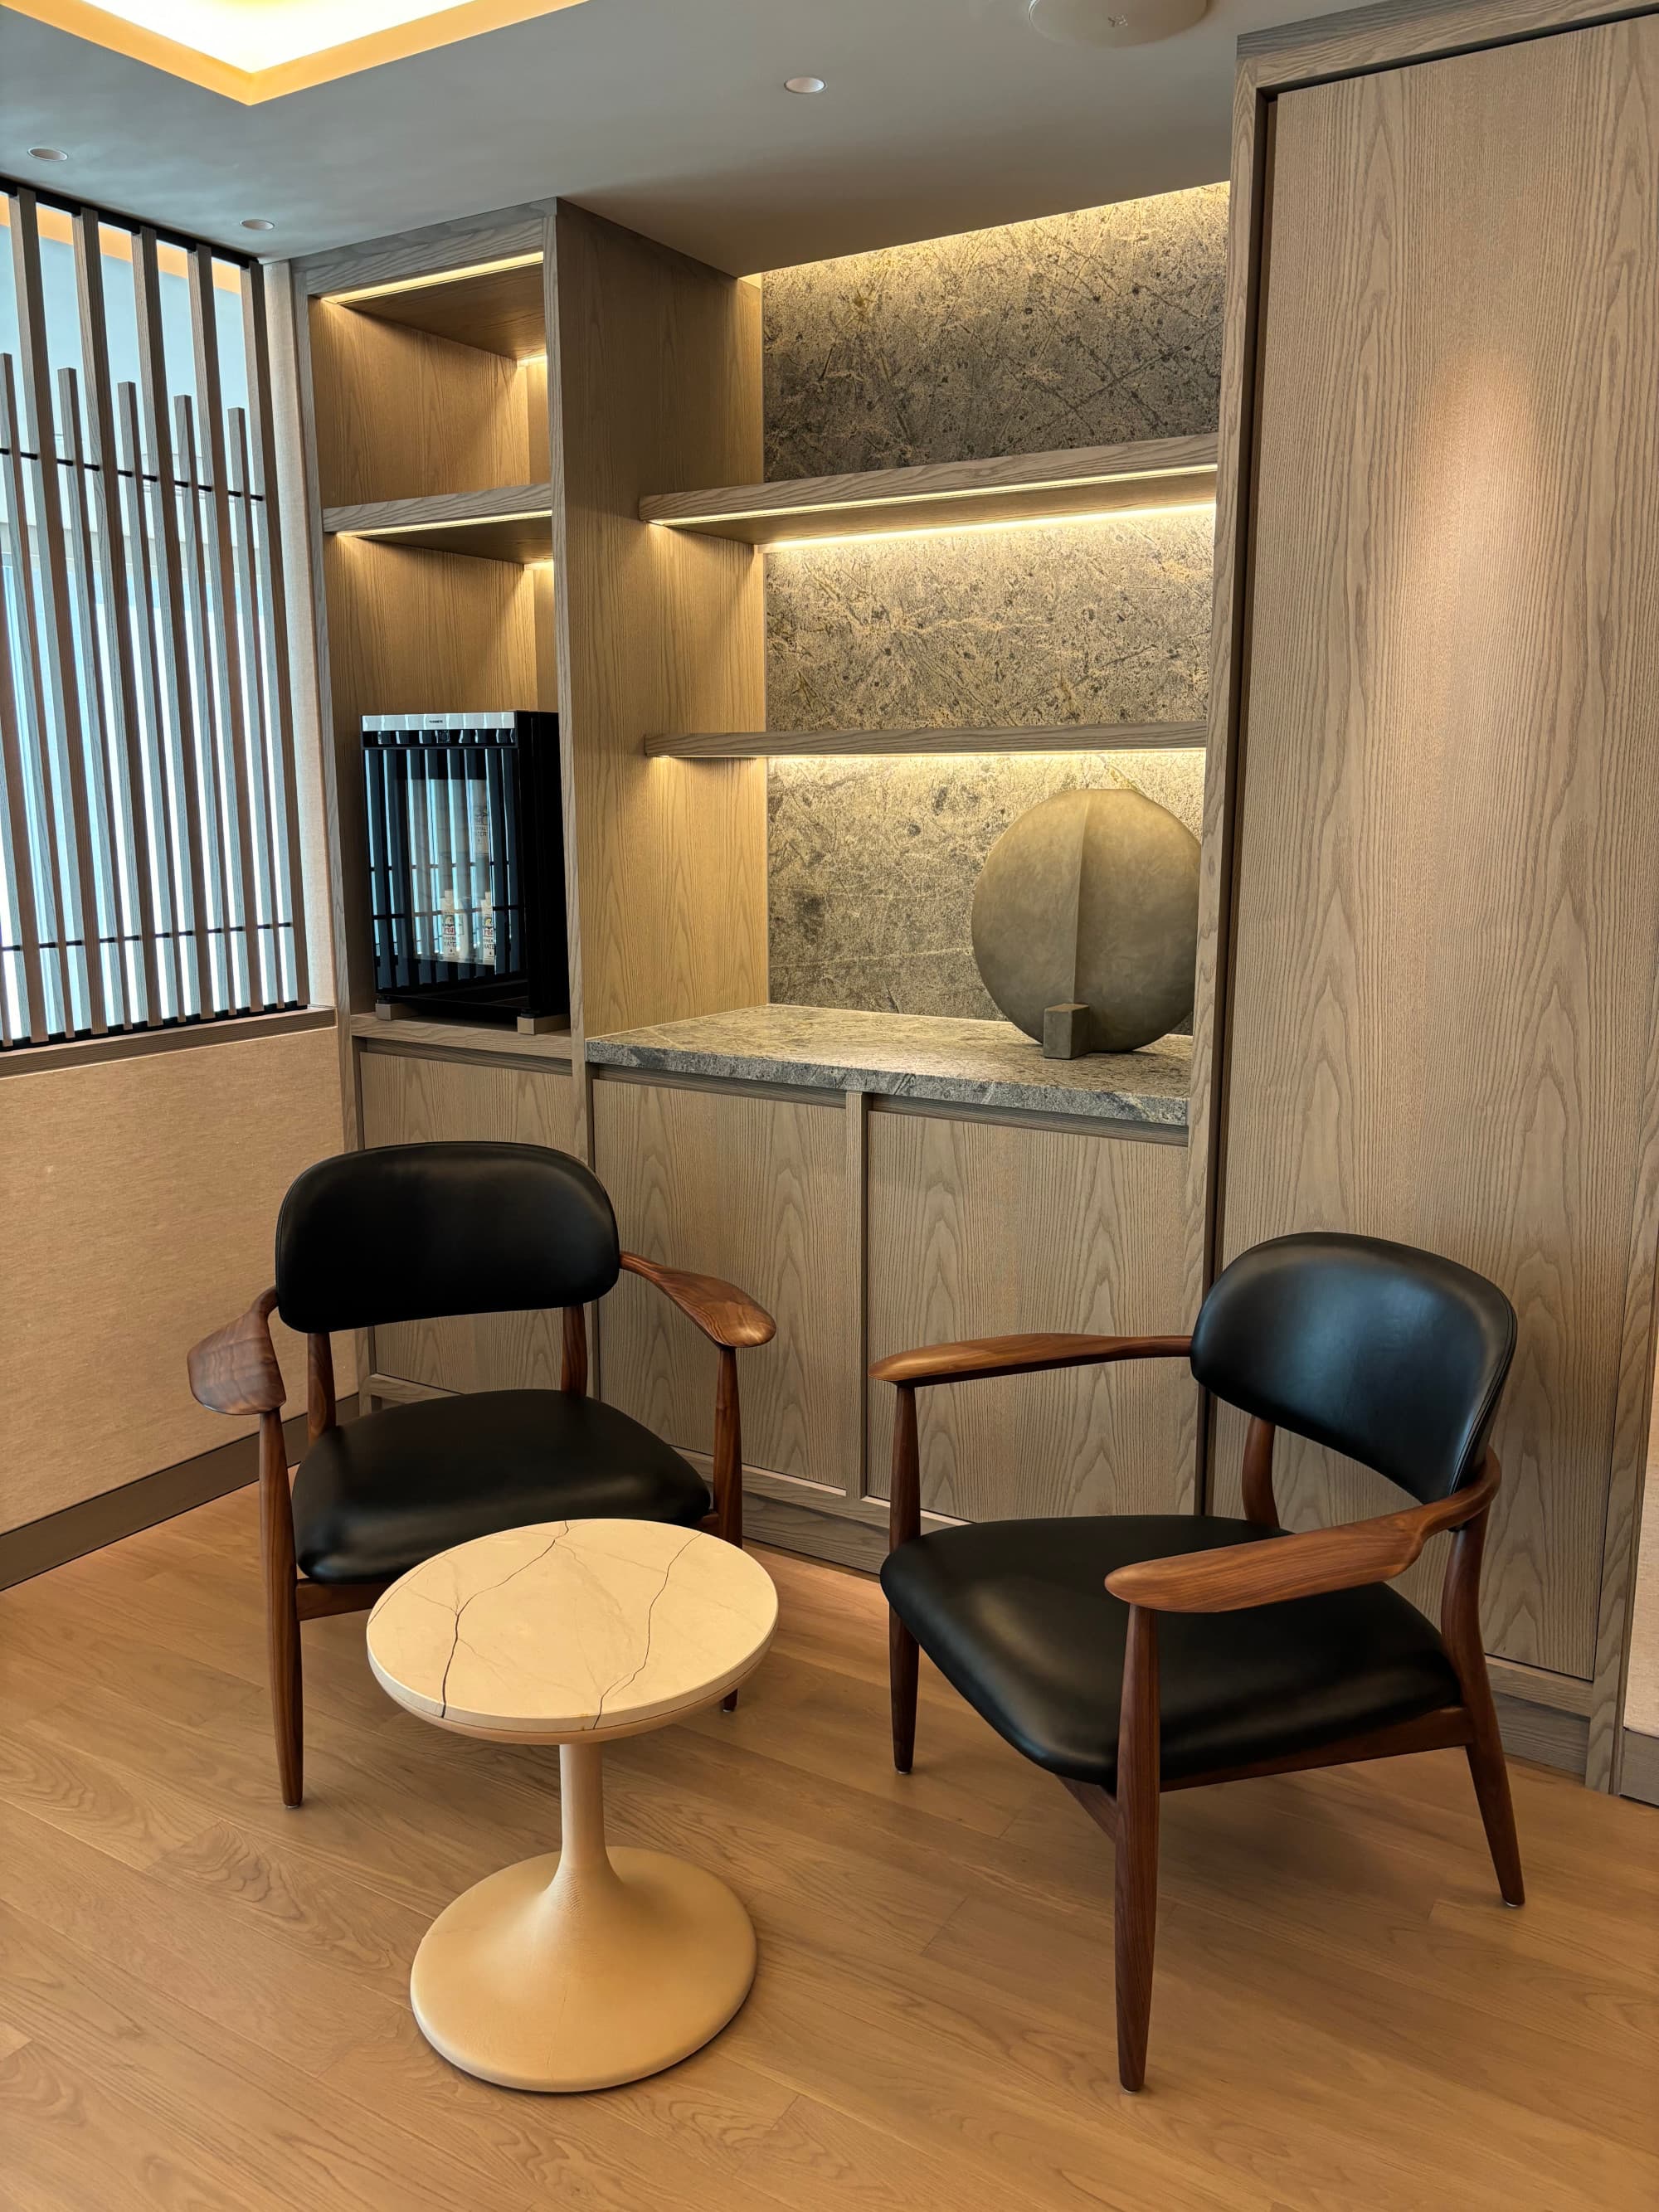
1086, 913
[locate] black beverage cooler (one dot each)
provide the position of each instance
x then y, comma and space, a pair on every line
466, 865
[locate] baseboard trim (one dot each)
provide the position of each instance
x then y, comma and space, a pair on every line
38, 1547
1639, 1777
837, 1537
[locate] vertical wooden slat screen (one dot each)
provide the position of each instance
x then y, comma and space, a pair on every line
149, 840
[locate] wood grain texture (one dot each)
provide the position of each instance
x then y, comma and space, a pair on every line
978, 1359
472, 1040
511, 522
412, 631
1397, 31
141, 1199
235, 1371
1642, 1682
1447, 922
752, 1189
655, 385
948, 494
1229, 633
461, 243
402, 415
977, 1226
1305, 1565
412, 1098
497, 309
785, 744
726, 1315
212, 1993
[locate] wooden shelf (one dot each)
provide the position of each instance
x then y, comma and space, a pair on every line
491, 1039
949, 494
498, 306
794, 744
513, 522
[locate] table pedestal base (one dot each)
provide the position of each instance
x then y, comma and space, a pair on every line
582, 1968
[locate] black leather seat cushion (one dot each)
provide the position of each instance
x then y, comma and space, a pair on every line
377, 1495
1014, 1614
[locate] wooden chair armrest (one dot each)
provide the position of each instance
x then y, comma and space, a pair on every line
980, 1357
1277, 1568
235, 1371
725, 1314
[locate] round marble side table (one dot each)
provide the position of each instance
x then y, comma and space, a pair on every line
586, 1966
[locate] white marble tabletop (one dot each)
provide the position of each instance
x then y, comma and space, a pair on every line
572, 1628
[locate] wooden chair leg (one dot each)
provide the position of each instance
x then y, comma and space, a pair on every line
1489, 1772
1134, 1920
904, 1525
728, 1466
1459, 1625
902, 1668
282, 1609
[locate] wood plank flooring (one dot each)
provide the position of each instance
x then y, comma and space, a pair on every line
202, 1998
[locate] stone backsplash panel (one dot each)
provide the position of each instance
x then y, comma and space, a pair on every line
1077, 330
1080, 622
873, 865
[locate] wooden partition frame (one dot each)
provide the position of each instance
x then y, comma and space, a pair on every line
1289, 58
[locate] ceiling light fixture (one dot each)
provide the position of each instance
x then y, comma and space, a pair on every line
1112, 23
257, 222
802, 84
47, 154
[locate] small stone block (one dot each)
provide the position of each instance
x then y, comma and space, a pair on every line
1069, 1031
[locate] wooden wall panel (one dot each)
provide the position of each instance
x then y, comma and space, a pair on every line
140, 1199
416, 632
656, 388
401, 413
754, 1189
976, 1229
411, 1097
1446, 927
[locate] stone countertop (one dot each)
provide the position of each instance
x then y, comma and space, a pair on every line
965, 1063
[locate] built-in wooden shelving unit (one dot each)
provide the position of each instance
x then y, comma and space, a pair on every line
497, 305
1080, 480
795, 744
510, 522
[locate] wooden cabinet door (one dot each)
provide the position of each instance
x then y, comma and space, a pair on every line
756, 1189
979, 1228
1446, 928
409, 1097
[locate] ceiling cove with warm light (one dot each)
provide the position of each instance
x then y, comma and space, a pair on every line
258, 50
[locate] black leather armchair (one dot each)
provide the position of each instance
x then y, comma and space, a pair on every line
1139, 1653
412, 1232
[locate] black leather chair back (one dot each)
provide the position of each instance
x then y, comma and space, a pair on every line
412, 1232
1391, 1355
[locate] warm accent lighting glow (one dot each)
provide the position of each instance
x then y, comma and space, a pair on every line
455, 522
255, 50
1015, 522
426, 284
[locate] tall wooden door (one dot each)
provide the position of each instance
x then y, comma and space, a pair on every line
1446, 921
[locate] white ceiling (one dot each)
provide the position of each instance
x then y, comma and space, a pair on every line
667, 115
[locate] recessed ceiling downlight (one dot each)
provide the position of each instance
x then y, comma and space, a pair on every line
47, 154
1113, 22
257, 222
802, 84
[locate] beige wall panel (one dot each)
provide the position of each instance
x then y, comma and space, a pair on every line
415, 632
1641, 1689
140, 1200
979, 1228
412, 1098
1447, 909
401, 413
658, 389
756, 1190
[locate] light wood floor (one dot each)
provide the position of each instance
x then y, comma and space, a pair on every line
203, 2000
